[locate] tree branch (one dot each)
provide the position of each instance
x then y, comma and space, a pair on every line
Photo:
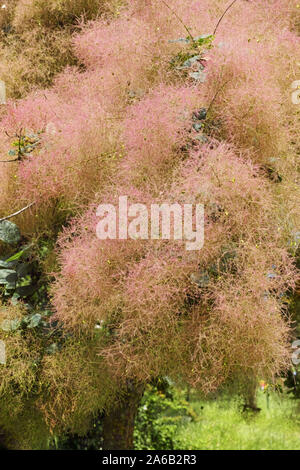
10, 161
17, 213
179, 19
216, 95
228, 8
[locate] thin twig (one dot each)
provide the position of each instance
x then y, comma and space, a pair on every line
19, 157
10, 161
216, 94
216, 175
228, 8
17, 213
179, 19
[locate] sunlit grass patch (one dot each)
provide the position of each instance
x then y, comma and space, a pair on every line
222, 425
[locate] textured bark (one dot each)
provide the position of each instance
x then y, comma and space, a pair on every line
118, 424
3, 441
250, 399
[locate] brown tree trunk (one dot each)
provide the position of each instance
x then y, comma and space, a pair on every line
118, 424
3, 442
250, 398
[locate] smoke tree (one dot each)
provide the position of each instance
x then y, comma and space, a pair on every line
160, 118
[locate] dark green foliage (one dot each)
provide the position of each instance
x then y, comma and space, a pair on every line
91, 441
163, 409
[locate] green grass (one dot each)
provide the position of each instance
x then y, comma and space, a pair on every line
222, 425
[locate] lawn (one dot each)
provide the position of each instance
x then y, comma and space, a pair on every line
222, 425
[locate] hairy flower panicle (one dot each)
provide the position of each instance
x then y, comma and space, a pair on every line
154, 132
78, 144
152, 294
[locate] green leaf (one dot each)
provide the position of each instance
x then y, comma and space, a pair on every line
34, 320
23, 270
200, 76
9, 232
16, 256
5, 325
15, 299
10, 325
15, 324
205, 39
52, 349
7, 264
8, 276
25, 291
